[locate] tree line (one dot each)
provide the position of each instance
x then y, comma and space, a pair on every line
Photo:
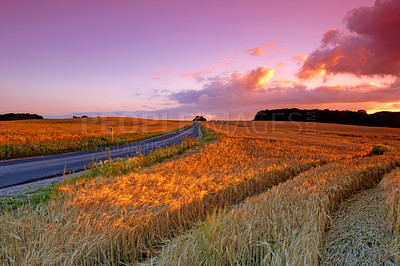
19, 116
360, 117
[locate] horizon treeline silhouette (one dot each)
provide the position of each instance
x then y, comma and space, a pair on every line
19, 116
360, 117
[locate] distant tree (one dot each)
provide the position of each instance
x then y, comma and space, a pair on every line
199, 118
19, 116
84, 116
75, 116
361, 112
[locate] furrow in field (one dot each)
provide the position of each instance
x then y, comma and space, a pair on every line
360, 232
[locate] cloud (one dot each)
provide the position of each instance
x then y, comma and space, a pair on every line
335, 94
240, 96
256, 78
255, 90
331, 37
148, 107
198, 73
370, 48
222, 64
156, 76
300, 58
259, 51
220, 90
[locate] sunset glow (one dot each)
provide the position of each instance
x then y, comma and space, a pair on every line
176, 59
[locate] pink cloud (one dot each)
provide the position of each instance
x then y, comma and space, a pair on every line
300, 58
370, 48
256, 78
254, 91
223, 88
156, 76
222, 64
198, 73
331, 37
259, 51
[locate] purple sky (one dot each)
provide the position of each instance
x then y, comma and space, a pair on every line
173, 57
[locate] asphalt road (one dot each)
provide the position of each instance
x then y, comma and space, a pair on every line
20, 171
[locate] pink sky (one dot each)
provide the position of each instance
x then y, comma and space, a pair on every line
174, 59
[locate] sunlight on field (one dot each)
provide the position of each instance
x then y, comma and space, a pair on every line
51, 136
46, 130
310, 129
290, 176
285, 225
289, 220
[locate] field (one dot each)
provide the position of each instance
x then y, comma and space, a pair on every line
28, 138
260, 193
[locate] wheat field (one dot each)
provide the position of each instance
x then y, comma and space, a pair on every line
260, 193
27, 138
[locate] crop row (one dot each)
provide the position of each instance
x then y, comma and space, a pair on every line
285, 225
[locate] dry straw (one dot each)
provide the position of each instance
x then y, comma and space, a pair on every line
284, 226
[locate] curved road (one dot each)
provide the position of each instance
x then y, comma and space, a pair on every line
16, 172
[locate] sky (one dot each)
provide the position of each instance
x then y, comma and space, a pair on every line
224, 59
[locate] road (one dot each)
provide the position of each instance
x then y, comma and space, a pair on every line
20, 171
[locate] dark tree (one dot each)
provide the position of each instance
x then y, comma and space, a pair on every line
380, 119
19, 116
199, 118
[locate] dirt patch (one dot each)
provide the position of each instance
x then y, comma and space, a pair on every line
360, 232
